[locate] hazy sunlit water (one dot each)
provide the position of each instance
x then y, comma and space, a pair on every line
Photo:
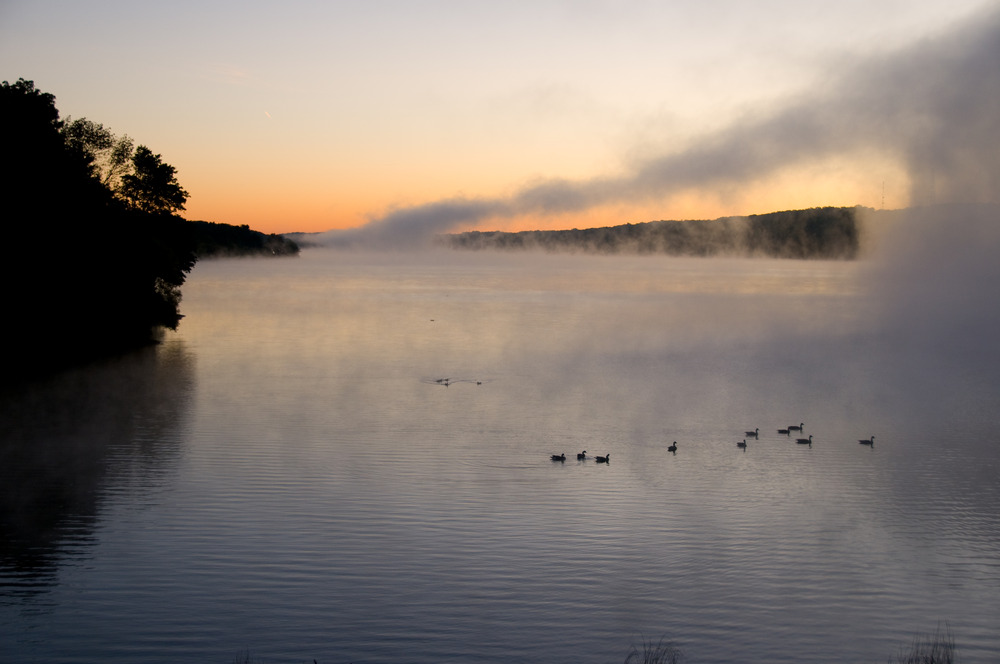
289, 475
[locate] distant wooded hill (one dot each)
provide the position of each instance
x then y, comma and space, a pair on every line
215, 240
828, 233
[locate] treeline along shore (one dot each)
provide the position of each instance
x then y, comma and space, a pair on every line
96, 252
819, 233
215, 240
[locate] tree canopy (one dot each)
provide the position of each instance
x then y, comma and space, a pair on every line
85, 272
826, 233
152, 186
110, 156
136, 176
96, 253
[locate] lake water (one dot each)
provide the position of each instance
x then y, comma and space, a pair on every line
346, 457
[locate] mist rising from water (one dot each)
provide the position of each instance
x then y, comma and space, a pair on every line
934, 106
935, 277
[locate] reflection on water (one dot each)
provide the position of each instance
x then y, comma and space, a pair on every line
74, 441
347, 458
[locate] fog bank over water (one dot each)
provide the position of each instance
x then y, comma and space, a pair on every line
930, 271
934, 274
934, 106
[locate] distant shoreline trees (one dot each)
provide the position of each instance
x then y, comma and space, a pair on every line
827, 233
215, 240
96, 253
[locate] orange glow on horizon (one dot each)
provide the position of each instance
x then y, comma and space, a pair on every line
317, 206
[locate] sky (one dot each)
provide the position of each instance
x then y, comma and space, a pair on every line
382, 116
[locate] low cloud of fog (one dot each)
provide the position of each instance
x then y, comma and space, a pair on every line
935, 278
933, 271
935, 106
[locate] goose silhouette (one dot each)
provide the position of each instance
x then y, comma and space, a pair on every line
742, 444
870, 441
785, 431
673, 448
581, 456
558, 457
603, 459
792, 427
804, 441
752, 434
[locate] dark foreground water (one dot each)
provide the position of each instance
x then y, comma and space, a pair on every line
346, 458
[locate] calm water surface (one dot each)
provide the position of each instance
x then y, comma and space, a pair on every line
346, 458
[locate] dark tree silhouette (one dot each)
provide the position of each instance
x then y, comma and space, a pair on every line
95, 254
83, 276
221, 240
826, 233
152, 186
110, 155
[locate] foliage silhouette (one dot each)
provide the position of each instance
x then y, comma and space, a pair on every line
938, 648
152, 187
815, 233
110, 155
215, 240
96, 253
85, 274
660, 652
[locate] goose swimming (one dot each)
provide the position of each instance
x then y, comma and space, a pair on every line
558, 457
752, 434
804, 441
673, 448
784, 431
870, 441
742, 444
792, 427
603, 459
581, 456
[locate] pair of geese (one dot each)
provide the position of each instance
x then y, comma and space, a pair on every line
582, 456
